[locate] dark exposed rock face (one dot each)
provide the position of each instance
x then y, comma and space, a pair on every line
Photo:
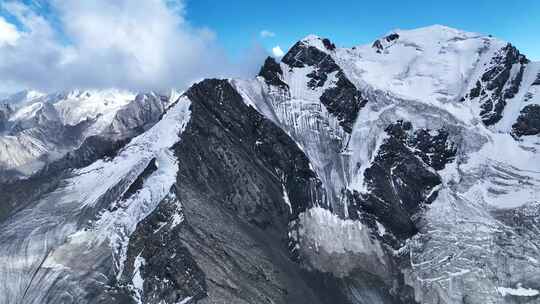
18, 194
328, 44
234, 167
320, 76
139, 182
537, 80
218, 108
392, 37
434, 148
497, 84
528, 122
475, 92
272, 73
170, 274
402, 178
302, 55
343, 99
5, 112
499, 73
513, 88
92, 149
378, 45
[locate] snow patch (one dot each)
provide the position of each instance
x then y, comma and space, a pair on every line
381, 229
327, 231
186, 300
137, 279
286, 199
518, 292
178, 216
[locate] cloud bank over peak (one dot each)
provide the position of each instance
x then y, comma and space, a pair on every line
139, 45
277, 51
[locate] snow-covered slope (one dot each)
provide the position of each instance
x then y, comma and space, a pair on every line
77, 106
430, 65
39, 128
22, 98
52, 237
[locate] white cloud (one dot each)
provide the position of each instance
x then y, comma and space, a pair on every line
141, 45
277, 51
8, 32
267, 34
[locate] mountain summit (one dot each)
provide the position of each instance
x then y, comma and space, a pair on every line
402, 171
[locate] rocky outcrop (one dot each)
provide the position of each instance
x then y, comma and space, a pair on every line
528, 122
344, 101
378, 45
381, 44
272, 73
5, 112
329, 45
433, 147
402, 179
303, 54
498, 84
392, 37
341, 98
166, 273
537, 80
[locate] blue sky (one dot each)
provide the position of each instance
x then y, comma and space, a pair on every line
238, 23
159, 44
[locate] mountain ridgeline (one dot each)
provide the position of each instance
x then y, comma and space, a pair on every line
404, 171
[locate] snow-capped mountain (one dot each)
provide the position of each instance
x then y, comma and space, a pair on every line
37, 128
403, 171
22, 97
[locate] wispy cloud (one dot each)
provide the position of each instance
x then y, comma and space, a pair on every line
267, 34
140, 45
277, 51
8, 32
